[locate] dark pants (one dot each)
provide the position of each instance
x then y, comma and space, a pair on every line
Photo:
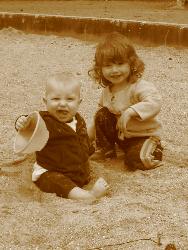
60, 184
107, 137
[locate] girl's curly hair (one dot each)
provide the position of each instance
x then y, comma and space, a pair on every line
116, 48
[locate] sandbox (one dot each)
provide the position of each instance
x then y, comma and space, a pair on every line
143, 32
144, 210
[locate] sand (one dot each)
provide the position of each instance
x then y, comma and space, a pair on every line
144, 209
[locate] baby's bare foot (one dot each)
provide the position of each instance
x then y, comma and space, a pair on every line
100, 188
80, 194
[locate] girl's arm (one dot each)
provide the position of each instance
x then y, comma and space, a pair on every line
91, 125
147, 105
147, 100
123, 120
91, 130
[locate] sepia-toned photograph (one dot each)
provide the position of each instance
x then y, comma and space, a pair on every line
94, 124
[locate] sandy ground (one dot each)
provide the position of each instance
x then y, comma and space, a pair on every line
156, 11
143, 210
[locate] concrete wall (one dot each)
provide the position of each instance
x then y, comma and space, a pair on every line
142, 32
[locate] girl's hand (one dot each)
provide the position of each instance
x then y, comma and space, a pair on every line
91, 131
123, 120
22, 122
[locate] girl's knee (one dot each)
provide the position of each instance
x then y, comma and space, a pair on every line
133, 164
151, 153
138, 164
103, 115
149, 156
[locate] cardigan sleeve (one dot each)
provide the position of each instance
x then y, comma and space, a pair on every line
147, 100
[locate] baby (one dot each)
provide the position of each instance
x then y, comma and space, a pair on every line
62, 166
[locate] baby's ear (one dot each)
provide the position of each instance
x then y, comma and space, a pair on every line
44, 100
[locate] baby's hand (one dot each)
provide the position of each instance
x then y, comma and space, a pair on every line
22, 122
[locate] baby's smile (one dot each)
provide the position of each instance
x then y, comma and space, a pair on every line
63, 115
62, 111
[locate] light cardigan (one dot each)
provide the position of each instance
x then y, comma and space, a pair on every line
144, 99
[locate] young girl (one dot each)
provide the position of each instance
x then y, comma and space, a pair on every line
128, 105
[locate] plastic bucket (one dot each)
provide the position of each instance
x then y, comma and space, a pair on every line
33, 138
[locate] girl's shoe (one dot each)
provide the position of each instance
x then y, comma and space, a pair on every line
102, 154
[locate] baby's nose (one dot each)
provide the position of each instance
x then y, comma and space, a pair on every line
63, 103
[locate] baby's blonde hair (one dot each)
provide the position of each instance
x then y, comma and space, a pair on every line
65, 77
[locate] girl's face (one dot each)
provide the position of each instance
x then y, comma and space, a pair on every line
116, 73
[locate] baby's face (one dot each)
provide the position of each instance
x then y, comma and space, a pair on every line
62, 99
